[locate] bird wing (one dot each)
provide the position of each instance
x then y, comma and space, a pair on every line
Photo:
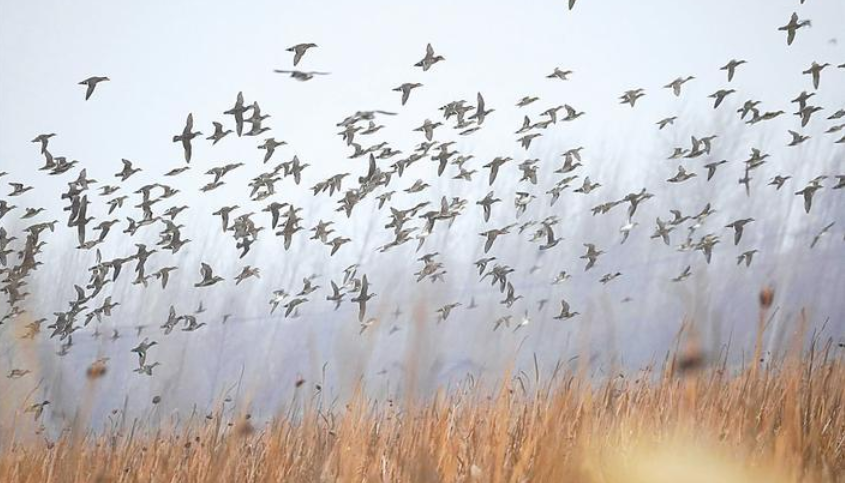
186, 145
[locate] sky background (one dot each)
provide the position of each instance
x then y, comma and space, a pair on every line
166, 59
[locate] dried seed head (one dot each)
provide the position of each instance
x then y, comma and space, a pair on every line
244, 428
767, 295
690, 361
97, 369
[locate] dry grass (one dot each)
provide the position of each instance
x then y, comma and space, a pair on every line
686, 422
691, 420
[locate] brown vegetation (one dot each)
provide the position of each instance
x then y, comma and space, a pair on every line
689, 421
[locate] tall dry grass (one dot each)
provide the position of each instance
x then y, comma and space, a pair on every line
682, 420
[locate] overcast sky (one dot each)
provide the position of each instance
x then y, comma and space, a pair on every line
166, 59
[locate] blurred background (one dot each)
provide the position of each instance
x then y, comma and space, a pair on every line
166, 60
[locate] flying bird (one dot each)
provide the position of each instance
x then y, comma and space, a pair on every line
731, 66
406, 89
187, 136
300, 75
792, 27
430, 59
91, 84
299, 51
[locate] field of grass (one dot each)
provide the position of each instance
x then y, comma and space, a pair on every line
688, 418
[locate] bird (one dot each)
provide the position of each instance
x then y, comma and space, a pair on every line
486, 204
778, 181
565, 312
821, 233
494, 166
738, 226
559, 74
91, 84
363, 297
511, 297
815, 70
746, 256
802, 99
681, 176
591, 256
631, 97
551, 241
163, 274
406, 89
561, 277
731, 66
430, 59
444, 311
792, 27
247, 272
219, 132
428, 128
300, 75
187, 136
609, 277
270, 145
336, 243
224, 213
526, 101
127, 171
43, 139
237, 111
666, 121
147, 368
492, 235
797, 138
37, 409
481, 264
208, 277
711, 168
142, 348
336, 296
749, 107
685, 274
19, 189
720, 96
480, 111
676, 84
572, 113
587, 186
626, 230
293, 304
299, 51
808, 193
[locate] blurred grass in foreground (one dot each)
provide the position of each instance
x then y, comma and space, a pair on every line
689, 420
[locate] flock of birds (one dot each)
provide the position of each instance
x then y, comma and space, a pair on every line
92, 302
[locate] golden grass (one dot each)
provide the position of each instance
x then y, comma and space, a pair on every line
685, 422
